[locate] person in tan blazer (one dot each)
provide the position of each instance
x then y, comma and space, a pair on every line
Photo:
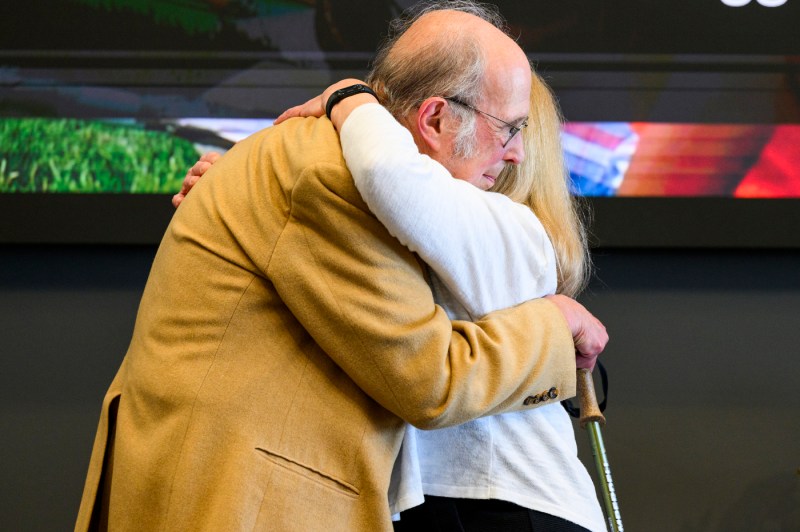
284, 337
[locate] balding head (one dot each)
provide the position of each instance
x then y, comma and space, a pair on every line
437, 28
444, 49
443, 75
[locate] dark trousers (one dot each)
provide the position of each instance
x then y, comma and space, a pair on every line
443, 514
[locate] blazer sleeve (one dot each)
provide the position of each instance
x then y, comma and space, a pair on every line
490, 252
362, 296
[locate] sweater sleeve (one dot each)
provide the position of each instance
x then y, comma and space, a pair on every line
489, 251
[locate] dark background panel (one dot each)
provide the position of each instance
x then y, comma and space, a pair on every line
622, 223
575, 26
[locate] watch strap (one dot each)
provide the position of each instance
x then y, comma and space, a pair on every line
341, 94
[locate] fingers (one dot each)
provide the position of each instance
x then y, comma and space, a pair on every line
588, 333
195, 172
188, 183
592, 337
289, 113
585, 362
589, 343
316, 105
177, 199
312, 107
209, 157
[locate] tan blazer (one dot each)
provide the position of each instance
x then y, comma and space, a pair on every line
282, 339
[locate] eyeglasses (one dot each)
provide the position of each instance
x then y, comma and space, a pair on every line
512, 129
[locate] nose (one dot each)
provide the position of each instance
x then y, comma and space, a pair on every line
515, 150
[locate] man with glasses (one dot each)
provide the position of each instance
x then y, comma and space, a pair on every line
284, 337
512, 129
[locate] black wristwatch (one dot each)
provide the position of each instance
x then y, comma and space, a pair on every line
341, 94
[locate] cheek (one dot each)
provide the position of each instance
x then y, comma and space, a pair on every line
489, 151
490, 158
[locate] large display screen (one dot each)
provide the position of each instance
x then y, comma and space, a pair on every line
683, 117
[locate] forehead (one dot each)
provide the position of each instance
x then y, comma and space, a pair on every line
508, 93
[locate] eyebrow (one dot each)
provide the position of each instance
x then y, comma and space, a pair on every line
516, 122
520, 121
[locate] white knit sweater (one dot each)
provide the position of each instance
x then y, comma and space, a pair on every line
486, 253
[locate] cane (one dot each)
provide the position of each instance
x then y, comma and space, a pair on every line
591, 419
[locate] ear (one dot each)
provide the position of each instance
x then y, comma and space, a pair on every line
431, 118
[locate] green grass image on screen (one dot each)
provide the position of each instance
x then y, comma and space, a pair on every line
85, 156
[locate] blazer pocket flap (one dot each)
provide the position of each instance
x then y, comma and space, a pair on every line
310, 472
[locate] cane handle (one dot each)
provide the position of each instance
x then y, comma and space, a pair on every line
588, 400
